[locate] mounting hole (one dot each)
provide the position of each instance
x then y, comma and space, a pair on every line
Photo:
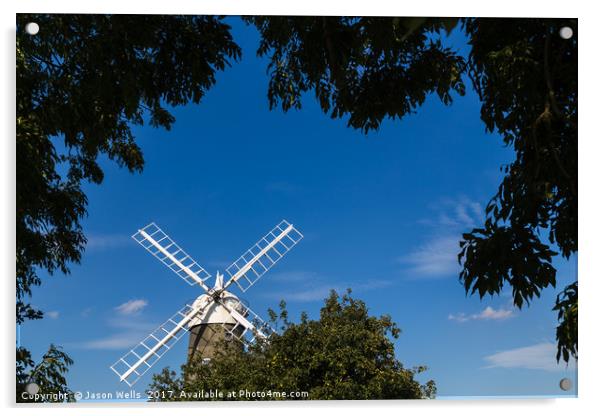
566, 32
32, 28
566, 384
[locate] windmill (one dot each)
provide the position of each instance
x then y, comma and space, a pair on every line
216, 313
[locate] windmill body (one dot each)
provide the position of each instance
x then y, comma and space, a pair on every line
217, 314
211, 326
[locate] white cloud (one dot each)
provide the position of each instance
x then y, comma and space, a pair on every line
52, 314
114, 342
462, 215
294, 276
459, 317
437, 258
455, 214
486, 314
130, 324
106, 241
130, 332
308, 295
132, 307
490, 313
533, 357
310, 286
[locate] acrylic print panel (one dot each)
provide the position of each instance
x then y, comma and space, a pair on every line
416, 178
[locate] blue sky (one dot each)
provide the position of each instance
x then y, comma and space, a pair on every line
381, 213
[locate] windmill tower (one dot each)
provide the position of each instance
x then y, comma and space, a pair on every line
215, 315
212, 326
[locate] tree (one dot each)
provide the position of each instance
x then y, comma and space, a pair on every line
527, 80
81, 84
366, 69
363, 68
48, 375
346, 354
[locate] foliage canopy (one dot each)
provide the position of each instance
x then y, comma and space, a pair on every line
81, 84
525, 74
527, 82
346, 354
48, 375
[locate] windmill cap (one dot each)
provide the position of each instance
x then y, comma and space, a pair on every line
215, 313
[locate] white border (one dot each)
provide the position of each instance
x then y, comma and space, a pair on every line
589, 172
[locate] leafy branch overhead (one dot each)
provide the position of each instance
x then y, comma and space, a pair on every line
80, 88
364, 68
527, 82
368, 69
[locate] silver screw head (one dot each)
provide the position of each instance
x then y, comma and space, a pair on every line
32, 388
566, 32
566, 384
32, 28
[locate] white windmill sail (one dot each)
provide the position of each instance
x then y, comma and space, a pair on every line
249, 325
131, 366
260, 258
245, 271
160, 245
